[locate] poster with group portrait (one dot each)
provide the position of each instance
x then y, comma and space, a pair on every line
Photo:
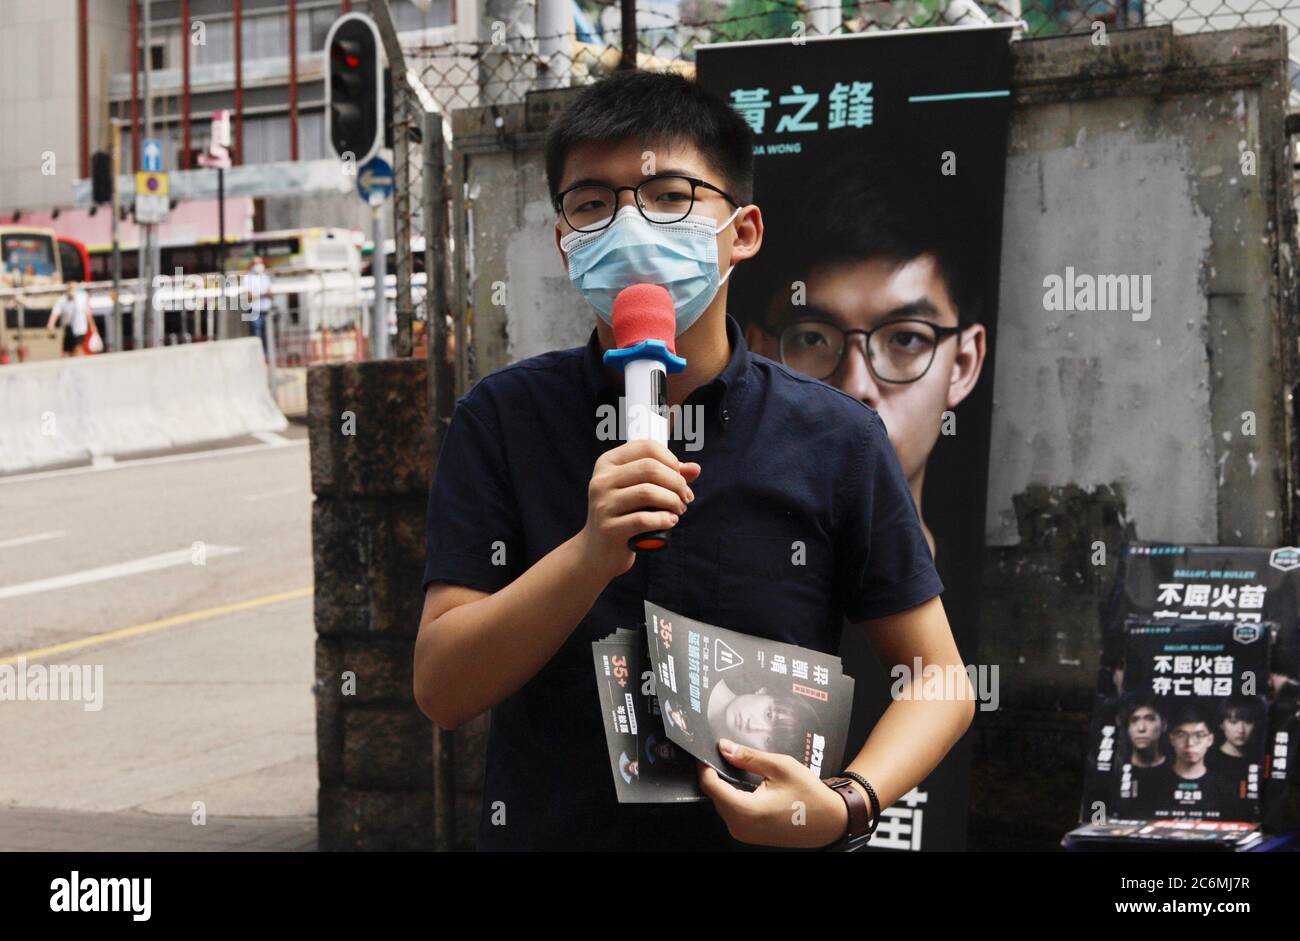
1193, 741
879, 170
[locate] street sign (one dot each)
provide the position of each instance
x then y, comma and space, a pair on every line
152, 198
152, 154
221, 128
375, 181
215, 157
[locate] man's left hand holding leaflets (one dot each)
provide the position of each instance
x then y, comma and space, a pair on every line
791, 808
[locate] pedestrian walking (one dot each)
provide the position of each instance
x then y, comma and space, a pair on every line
257, 284
72, 312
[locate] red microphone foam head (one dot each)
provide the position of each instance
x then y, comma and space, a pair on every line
644, 312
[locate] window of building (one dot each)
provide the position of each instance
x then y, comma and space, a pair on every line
157, 57
311, 135
266, 36
407, 16
219, 44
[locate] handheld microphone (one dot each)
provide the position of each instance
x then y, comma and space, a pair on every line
645, 324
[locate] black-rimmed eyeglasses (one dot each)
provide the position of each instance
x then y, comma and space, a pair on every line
898, 351
663, 200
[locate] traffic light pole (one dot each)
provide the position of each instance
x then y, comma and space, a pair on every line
117, 342
354, 127
221, 243
379, 271
146, 273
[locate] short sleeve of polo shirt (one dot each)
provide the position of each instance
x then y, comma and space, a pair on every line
886, 563
474, 536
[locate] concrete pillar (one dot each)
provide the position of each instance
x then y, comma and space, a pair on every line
371, 463
824, 17
554, 42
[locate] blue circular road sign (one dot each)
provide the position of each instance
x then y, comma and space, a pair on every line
375, 180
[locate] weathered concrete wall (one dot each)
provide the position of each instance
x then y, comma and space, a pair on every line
1151, 187
522, 301
1125, 160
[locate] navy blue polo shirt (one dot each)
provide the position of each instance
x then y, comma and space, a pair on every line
801, 518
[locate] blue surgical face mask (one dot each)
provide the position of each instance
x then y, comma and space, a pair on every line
681, 256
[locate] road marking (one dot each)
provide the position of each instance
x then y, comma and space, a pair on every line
150, 461
282, 492
38, 537
162, 624
149, 563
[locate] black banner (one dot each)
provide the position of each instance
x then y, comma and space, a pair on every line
879, 169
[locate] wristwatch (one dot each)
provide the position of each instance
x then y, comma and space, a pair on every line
862, 820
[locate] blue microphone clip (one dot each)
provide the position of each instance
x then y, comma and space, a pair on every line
646, 349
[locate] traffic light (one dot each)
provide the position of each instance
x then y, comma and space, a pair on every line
354, 93
101, 177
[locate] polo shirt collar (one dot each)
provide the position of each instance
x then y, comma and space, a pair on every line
720, 392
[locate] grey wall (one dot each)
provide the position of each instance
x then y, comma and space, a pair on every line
1140, 185
505, 235
342, 210
39, 109
1126, 160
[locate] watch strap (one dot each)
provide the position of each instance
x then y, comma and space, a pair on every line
871, 792
859, 815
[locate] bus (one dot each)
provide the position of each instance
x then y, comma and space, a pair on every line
74, 260
315, 275
31, 279
296, 250
29, 258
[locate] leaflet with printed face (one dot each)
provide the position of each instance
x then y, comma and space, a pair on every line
1196, 718
1196, 584
648, 768
1186, 737
1209, 584
715, 683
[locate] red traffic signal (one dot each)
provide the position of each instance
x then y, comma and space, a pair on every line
354, 91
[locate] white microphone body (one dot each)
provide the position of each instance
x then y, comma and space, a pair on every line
645, 384
644, 322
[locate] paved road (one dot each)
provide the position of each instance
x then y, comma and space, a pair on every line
186, 580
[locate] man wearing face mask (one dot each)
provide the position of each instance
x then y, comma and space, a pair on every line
793, 515
257, 284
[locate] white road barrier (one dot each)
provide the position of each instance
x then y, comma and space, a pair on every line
73, 411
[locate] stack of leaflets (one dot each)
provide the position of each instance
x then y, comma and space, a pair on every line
648, 767
1176, 835
1195, 721
670, 694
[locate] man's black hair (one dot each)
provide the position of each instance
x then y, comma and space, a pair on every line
794, 718
1189, 714
655, 106
1131, 702
855, 208
1239, 707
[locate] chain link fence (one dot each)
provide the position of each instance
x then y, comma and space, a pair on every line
513, 60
